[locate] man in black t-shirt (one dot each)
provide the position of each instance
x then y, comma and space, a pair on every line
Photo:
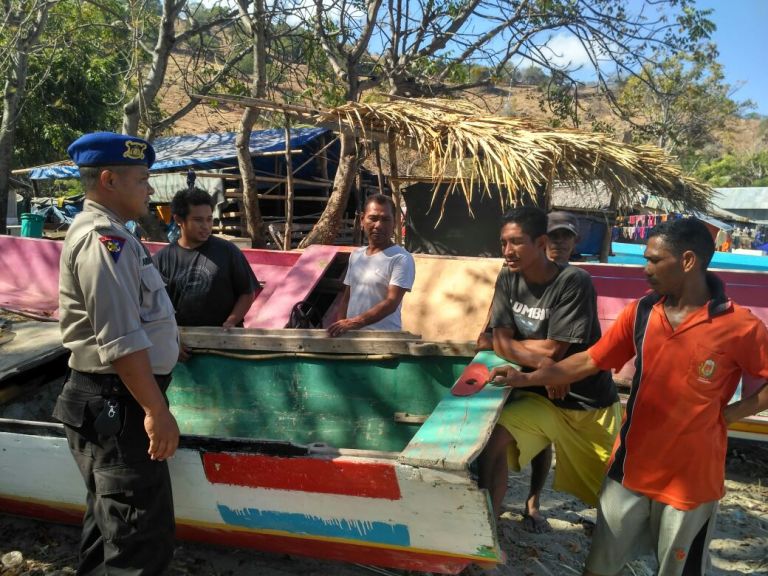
543, 312
208, 279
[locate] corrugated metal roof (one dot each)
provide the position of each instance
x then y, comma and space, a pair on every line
201, 151
741, 198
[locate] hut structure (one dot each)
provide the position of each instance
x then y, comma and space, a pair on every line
510, 161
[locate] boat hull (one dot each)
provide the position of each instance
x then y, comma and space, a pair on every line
367, 510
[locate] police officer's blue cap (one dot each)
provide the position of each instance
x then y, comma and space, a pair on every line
110, 149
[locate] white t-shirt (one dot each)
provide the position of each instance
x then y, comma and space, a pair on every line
369, 277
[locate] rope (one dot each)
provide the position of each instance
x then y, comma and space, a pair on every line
311, 355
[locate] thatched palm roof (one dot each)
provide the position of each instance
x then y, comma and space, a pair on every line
474, 150
470, 150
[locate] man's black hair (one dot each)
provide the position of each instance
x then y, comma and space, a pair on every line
186, 198
532, 220
686, 234
381, 200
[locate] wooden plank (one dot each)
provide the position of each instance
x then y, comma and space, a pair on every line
362, 343
460, 426
299, 283
451, 297
236, 334
35, 343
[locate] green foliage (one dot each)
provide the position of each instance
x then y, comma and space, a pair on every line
73, 85
681, 103
736, 171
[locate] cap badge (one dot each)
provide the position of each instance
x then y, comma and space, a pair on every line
134, 150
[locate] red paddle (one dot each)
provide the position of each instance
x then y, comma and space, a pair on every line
472, 380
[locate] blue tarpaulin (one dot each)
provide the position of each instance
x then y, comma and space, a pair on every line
209, 151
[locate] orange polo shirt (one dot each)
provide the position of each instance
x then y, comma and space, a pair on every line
673, 439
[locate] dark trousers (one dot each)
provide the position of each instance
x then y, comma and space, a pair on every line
128, 528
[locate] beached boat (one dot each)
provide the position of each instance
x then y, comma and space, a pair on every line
350, 449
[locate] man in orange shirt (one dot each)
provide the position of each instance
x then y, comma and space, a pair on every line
667, 470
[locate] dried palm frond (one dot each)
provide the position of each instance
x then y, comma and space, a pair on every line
470, 150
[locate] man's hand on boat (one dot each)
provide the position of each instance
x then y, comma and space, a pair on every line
509, 377
184, 353
345, 325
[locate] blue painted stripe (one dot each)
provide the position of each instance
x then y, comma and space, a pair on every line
378, 532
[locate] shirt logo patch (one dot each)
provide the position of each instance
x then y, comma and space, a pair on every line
134, 150
531, 312
114, 245
707, 368
680, 554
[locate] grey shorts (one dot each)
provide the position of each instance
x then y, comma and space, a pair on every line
630, 524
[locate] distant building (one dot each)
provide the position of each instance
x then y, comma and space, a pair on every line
750, 203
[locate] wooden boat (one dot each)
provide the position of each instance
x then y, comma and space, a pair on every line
349, 449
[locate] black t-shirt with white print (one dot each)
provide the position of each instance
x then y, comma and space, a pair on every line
564, 310
204, 283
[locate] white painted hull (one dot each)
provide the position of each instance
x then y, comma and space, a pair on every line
405, 517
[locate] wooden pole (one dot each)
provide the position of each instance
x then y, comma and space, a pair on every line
288, 186
377, 151
548, 195
393, 182
324, 159
610, 220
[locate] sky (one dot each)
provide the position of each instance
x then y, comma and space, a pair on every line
742, 39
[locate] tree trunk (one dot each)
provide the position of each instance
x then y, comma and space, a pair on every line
327, 228
256, 25
148, 89
253, 220
13, 91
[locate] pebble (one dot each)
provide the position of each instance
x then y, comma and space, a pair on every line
12, 560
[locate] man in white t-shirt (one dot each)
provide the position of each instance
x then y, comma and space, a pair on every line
378, 275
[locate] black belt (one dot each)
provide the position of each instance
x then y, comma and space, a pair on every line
107, 384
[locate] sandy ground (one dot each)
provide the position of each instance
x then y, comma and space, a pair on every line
740, 544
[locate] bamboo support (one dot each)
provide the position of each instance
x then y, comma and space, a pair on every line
550, 188
610, 220
395, 187
288, 186
259, 103
279, 180
323, 157
380, 177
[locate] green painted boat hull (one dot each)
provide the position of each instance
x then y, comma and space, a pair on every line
341, 403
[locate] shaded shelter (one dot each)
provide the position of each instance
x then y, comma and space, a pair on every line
510, 160
212, 157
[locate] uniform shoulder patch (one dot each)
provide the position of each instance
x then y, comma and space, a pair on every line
113, 244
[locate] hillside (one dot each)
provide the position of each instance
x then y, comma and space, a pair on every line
741, 137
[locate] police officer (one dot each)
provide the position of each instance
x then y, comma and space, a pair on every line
118, 322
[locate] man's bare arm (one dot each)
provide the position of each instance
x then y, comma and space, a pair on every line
372, 315
240, 309
527, 353
135, 371
747, 406
555, 377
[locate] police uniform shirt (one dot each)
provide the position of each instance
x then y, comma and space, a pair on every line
112, 300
